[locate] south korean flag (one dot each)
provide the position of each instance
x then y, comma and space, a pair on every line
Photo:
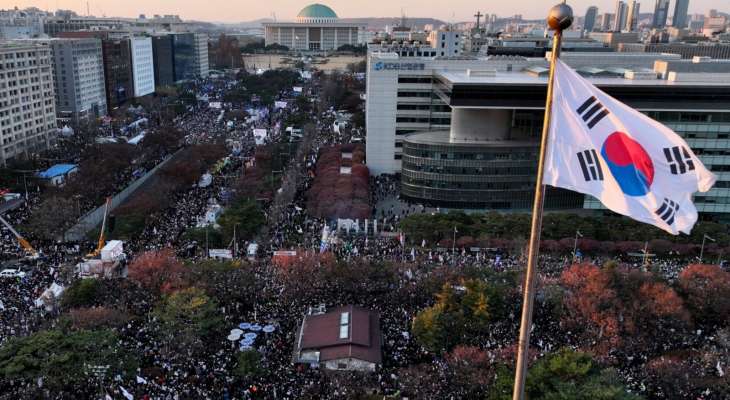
634, 165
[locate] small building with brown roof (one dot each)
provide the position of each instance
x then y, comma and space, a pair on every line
343, 338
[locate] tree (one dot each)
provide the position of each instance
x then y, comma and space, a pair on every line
63, 359
248, 364
569, 374
52, 217
619, 309
83, 293
470, 369
159, 271
706, 289
96, 317
247, 218
187, 317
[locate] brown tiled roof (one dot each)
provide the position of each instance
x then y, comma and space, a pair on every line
322, 332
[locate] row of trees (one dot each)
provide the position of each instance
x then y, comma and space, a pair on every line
183, 171
481, 227
340, 195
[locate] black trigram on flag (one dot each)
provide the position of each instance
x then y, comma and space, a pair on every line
680, 161
667, 211
592, 111
588, 160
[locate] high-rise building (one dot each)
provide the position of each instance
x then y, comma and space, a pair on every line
679, 19
589, 21
448, 43
201, 63
27, 106
143, 72
164, 63
632, 16
661, 12
607, 22
619, 21
78, 67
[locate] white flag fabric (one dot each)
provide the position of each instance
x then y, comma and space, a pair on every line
634, 165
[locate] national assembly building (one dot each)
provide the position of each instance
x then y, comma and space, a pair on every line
317, 28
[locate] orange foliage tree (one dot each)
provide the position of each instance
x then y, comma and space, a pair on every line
706, 289
158, 271
616, 308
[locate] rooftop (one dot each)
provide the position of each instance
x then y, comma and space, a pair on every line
316, 10
57, 170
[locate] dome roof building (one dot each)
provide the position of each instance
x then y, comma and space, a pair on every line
316, 13
316, 28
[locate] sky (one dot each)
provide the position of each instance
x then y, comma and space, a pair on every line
246, 10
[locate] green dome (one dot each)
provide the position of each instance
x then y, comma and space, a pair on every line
316, 11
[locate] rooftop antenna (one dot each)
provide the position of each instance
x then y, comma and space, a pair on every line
88, 14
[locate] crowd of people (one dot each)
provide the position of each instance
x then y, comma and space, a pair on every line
170, 374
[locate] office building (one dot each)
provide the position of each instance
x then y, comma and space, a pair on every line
317, 28
613, 39
78, 67
632, 16
463, 133
661, 12
679, 19
715, 50
537, 46
27, 103
163, 60
143, 72
621, 13
607, 22
589, 22
190, 56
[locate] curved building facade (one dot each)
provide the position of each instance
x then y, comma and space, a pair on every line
479, 163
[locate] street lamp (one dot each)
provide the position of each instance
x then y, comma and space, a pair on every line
702, 249
575, 244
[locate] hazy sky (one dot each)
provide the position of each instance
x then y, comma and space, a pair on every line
244, 10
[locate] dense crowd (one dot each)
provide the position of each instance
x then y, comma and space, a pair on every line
210, 374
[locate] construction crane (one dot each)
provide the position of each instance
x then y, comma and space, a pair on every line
102, 236
23, 243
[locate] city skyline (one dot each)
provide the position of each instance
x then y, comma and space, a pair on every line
216, 10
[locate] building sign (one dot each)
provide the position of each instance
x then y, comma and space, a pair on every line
220, 253
397, 66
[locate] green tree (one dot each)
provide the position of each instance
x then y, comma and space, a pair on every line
63, 359
248, 364
246, 216
564, 375
83, 293
187, 317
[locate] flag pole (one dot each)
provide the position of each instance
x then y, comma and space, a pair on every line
559, 18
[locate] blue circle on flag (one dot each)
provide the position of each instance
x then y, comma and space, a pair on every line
629, 164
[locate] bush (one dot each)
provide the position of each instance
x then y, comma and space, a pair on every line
83, 293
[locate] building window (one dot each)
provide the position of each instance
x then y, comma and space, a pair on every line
344, 325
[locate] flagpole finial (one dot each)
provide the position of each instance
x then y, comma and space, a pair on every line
560, 17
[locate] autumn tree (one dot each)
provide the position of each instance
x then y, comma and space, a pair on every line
470, 369
706, 288
96, 317
159, 271
53, 217
616, 308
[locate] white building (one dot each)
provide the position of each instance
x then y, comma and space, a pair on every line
27, 109
316, 28
448, 43
143, 72
202, 66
